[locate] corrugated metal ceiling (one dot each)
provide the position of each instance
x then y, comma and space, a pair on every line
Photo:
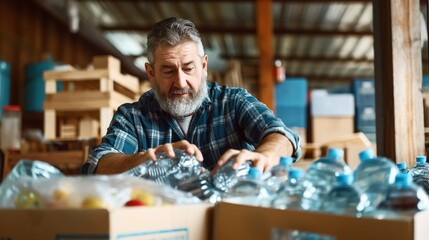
320, 40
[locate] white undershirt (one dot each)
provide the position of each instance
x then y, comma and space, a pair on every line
184, 123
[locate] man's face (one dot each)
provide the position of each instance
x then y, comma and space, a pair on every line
178, 77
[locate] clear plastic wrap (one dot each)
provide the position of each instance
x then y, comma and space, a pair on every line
37, 185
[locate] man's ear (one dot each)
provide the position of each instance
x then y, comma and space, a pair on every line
149, 71
205, 60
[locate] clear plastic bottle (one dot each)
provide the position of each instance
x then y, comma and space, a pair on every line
168, 171
402, 166
420, 173
11, 128
249, 189
374, 175
320, 178
225, 176
289, 195
404, 198
345, 198
278, 174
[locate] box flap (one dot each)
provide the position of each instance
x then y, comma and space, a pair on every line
233, 221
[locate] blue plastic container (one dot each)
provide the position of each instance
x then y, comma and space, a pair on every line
4, 86
35, 85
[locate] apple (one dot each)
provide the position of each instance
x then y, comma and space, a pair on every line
133, 203
93, 202
27, 199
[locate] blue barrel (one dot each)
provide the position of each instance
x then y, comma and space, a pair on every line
4, 85
35, 85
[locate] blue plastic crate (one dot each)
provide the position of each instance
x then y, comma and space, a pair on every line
293, 116
364, 91
425, 81
291, 92
365, 119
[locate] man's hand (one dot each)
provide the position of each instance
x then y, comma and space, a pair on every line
258, 159
266, 155
168, 149
117, 163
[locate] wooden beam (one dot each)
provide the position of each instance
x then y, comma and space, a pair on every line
239, 30
302, 58
264, 23
398, 79
239, 1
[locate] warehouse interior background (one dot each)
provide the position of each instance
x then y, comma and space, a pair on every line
328, 43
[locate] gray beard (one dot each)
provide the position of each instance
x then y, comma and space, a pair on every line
181, 107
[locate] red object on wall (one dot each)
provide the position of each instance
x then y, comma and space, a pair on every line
279, 71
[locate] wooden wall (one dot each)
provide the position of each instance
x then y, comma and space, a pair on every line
29, 34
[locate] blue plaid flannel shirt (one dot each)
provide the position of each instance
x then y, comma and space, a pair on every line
230, 118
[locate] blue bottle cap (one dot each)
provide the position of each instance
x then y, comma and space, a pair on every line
285, 161
254, 173
335, 153
344, 179
421, 159
366, 154
296, 173
401, 165
403, 180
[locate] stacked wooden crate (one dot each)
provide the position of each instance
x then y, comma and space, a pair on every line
88, 100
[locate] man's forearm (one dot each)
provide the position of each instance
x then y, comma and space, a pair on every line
274, 146
115, 163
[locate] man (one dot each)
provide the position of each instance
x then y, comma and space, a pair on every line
183, 111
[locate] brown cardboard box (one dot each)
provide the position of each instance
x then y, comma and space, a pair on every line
235, 222
325, 129
165, 222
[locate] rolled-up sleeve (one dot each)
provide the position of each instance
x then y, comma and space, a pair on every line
120, 138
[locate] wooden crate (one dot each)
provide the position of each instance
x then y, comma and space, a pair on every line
102, 89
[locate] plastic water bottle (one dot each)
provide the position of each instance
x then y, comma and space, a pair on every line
345, 198
168, 171
225, 176
374, 175
278, 174
402, 198
201, 186
289, 195
402, 166
320, 178
420, 173
249, 189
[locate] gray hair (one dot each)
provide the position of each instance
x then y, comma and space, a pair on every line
172, 31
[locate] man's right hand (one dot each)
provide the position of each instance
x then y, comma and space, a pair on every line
115, 163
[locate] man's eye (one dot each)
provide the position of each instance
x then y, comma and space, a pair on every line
169, 72
188, 69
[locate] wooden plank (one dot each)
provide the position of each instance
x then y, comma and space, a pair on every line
76, 75
76, 105
50, 86
398, 79
127, 81
106, 115
106, 85
50, 124
265, 39
119, 99
77, 96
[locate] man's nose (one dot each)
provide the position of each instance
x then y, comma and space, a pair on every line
181, 80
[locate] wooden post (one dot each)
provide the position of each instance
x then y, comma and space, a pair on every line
265, 39
398, 79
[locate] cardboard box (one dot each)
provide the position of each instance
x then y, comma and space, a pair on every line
164, 222
326, 129
234, 221
331, 105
